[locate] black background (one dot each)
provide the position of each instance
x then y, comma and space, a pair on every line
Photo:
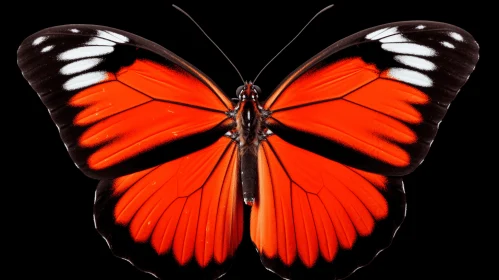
48, 218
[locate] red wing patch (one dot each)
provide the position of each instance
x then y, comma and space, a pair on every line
332, 81
171, 85
143, 106
309, 209
353, 104
188, 210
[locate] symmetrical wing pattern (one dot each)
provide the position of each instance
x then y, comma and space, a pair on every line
336, 136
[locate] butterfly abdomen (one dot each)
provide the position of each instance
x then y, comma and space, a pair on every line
249, 177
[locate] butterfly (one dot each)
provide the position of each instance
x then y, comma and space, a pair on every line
320, 161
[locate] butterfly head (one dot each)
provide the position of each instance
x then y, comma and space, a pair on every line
248, 91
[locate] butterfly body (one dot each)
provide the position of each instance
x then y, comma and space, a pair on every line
250, 131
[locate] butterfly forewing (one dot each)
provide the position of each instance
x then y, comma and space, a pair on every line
121, 103
381, 93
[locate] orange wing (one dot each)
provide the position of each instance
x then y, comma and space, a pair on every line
184, 217
342, 128
311, 211
151, 125
375, 100
361, 108
121, 103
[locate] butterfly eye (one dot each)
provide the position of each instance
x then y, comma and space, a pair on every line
257, 90
239, 91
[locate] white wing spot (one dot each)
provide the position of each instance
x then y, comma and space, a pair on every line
100, 42
389, 32
416, 62
409, 48
74, 30
123, 38
80, 66
420, 27
113, 36
371, 35
410, 76
397, 38
269, 132
39, 40
82, 52
228, 133
456, 36
47, 48
447, 44
382, 33
85, 80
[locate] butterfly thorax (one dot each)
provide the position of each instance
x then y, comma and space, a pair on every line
248, 126
249, 129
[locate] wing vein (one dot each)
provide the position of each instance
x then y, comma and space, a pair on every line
340, 220
273, 193
144, 139
385, 114
360, 140
173, 102
147, 173
315, 225
135, 197
290, 189
324, 100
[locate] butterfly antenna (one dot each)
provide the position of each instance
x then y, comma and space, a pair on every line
185, 13
320, 12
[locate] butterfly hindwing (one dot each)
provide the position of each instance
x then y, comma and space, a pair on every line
317, 218
181, 218
121, 103
343, 128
